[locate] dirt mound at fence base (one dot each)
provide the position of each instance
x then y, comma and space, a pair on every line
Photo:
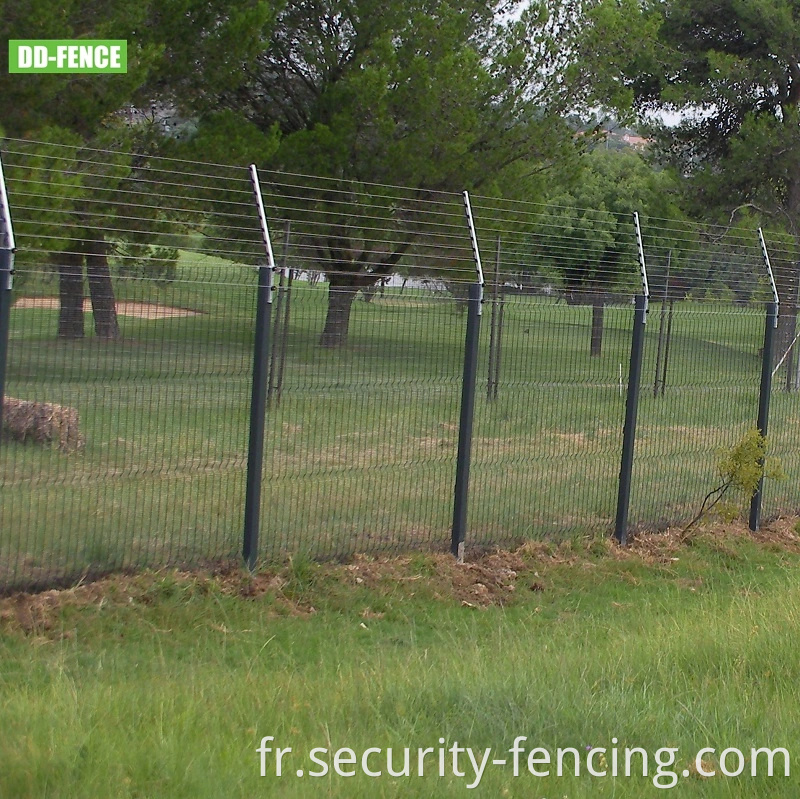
661, 547
140, 310
489, 580
486, 579
42, 422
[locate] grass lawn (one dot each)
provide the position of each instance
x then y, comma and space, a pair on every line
162, 685
360, 452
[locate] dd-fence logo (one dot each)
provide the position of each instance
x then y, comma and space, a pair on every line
67, 56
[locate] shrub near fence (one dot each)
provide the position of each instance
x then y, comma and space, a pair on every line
364, 420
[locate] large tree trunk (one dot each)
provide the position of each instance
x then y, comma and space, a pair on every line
70, 283
786, 282
597, 301
341, 293
101, 291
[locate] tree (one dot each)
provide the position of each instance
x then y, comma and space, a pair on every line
417, 93
586, 237
731, 71
78, 112
117, 114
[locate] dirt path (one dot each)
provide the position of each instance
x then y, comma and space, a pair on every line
141, 310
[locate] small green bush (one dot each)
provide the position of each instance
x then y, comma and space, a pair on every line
740, 469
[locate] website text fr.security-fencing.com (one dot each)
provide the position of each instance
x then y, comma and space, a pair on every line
664, 766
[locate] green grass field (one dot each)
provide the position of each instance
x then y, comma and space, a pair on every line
164, 685
360, 453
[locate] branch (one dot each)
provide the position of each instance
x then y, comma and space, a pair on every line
793, 97
720, 491
386, 266
716, 239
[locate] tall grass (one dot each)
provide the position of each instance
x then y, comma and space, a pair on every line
169, 695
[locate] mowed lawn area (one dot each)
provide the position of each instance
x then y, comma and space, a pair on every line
360, 450
164, 685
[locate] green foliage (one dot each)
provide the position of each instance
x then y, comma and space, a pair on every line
226, 137
209, 48
419, 93
716, 292
69, 120
82, 104
148, 261
740, 469
45, 177
762, 292
743, 464
429, 94
94, 192
730, 68
587, 232
415, 93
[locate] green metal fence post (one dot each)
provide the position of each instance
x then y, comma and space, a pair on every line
632, 400
7, 249
258, 401
468, 385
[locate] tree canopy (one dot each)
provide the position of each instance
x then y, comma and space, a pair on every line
74, 116
585, 236
419, 93
731, 70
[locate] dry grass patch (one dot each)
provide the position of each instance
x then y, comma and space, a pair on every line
42, 422
488, 578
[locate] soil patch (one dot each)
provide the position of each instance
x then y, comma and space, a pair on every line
141, 310
486, 578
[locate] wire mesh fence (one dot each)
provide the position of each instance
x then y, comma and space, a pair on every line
557, 338
703, 352
129, 391
360, 448
152, 367
781, 497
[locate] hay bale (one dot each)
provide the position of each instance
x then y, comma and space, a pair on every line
42, 422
